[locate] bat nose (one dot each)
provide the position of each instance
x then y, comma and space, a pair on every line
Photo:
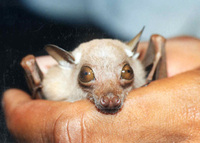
110, 102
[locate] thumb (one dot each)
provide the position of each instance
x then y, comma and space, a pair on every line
26, 119
35, 120
12, 98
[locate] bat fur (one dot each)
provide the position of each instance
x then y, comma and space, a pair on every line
106, 57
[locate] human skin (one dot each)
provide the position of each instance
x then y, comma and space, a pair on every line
166, 110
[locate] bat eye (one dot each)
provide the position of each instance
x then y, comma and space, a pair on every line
86, 74
127, 72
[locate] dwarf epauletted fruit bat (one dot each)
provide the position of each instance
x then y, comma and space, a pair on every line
102, 70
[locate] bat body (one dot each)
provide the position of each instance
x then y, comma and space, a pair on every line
102, 70
106, 59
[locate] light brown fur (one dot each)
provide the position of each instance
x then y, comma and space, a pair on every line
106, 57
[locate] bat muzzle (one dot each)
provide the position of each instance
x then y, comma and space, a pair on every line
109, 105
110, 102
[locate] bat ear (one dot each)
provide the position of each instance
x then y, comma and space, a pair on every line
60, 55
135, 41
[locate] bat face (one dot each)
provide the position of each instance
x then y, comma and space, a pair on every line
108, 71
102, 70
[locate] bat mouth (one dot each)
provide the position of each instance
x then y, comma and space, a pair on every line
108, 110
107, 104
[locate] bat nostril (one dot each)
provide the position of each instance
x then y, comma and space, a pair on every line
116, 101
110, 102
105, 101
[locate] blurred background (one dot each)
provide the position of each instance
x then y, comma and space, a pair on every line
27, 25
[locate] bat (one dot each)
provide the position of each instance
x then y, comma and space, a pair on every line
101, 70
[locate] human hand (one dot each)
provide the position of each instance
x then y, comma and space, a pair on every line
165, 111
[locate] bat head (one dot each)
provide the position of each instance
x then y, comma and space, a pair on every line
105, 69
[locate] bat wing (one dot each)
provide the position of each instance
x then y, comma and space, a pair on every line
155, 59
33, 75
